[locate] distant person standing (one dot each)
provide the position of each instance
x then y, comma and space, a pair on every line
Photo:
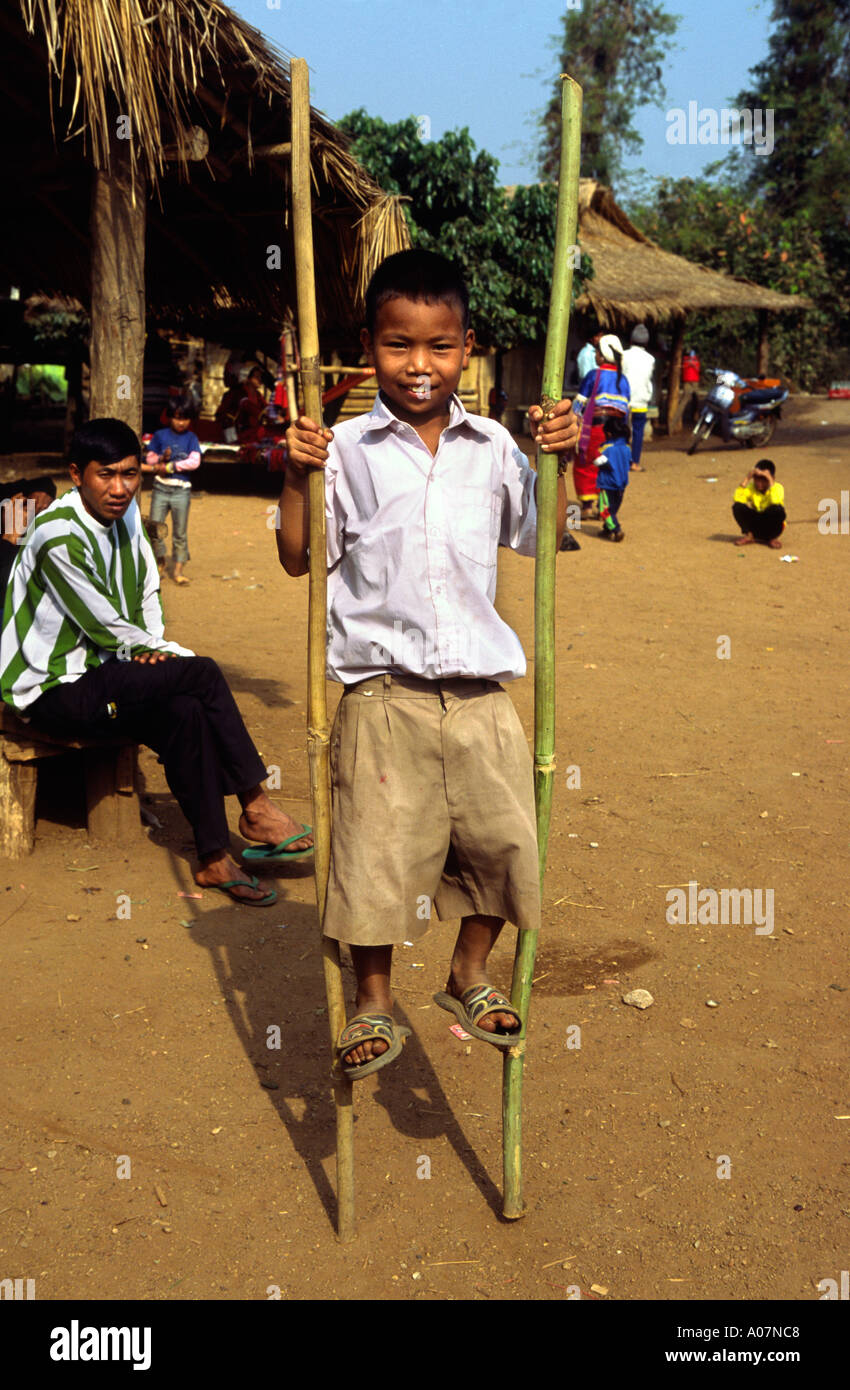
604, 391
638, 365
172, 453
251, 407
586, 360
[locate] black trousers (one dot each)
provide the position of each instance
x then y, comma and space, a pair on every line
765, 526
182, 708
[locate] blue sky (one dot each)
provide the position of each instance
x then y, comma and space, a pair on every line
488, 66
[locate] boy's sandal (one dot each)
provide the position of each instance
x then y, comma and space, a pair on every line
279, 854
370, 1028
473, 1005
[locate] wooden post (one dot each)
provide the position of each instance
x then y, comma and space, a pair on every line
675, 377
763, 357
117, 344
17, 807
318, 732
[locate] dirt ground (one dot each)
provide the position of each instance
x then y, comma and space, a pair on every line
145, 1039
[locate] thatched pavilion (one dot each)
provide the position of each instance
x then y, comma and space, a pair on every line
147, 174
635, 281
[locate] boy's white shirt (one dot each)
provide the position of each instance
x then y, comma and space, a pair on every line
412, 547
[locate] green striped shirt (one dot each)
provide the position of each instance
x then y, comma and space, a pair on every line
80, 593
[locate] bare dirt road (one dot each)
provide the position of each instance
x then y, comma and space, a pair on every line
154, 1146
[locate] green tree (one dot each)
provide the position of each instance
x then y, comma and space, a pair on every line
616, 54
503, 239
805, 81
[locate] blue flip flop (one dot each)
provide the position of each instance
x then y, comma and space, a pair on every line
277, 854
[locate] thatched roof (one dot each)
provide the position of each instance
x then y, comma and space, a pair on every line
634, 279
194, 79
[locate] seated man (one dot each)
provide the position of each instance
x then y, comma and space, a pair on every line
758, 506
82, 653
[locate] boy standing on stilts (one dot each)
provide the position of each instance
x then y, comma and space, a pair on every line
433, 798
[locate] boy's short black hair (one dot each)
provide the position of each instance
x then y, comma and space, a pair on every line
103, 441
419, 275
617, 427
181, 411
768, 465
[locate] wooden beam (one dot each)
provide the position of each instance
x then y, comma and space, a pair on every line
164, 229
215, 103
281, 151
62, 219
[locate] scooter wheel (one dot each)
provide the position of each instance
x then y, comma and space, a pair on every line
702, 431
768, 425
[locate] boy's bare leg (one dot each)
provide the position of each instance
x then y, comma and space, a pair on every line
475, 941
372, 966
265, 823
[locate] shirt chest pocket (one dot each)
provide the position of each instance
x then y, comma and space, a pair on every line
476, 517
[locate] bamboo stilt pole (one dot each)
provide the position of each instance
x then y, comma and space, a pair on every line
544, 624
318, 731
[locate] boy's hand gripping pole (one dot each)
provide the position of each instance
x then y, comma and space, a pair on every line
318, 732
544, 622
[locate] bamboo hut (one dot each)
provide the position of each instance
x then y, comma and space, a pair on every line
147, 163
634, 280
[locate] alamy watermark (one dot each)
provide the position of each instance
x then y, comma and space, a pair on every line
711, 907
16, 513
414, 649
708, 126
76, 1343
834, 519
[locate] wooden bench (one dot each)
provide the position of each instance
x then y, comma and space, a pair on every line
109, 768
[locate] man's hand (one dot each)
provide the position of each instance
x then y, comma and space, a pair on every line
306, 445
558, 433
151, 658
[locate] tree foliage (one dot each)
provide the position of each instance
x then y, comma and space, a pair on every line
780, 218
503, 241
616, 55
805, 80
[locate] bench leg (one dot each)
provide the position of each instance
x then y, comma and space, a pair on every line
17, 808
111, 800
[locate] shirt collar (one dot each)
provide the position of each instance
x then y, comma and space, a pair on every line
381, 417
100, 528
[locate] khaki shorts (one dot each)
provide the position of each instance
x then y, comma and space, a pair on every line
433, 803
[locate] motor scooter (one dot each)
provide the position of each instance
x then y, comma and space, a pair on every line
742, 408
